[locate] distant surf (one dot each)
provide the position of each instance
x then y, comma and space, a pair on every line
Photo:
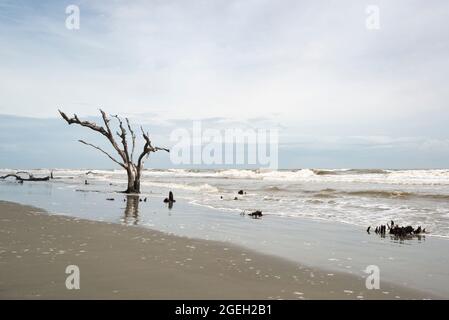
357, 196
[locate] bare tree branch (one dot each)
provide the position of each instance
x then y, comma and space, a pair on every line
98, 148
122, 136
111, 137
133, 138
147, 148
92, 125
149, 145
87, 124
133, 170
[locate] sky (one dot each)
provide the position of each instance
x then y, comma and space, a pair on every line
341, 94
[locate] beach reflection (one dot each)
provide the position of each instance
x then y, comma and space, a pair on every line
410, 239
131, 214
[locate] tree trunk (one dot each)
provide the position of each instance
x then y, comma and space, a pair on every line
133, 182
137, 183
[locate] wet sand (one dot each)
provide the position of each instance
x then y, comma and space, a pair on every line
125, 262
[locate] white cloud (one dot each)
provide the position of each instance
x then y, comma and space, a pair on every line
314, 64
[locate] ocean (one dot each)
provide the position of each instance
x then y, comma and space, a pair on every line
312, 216
360, 197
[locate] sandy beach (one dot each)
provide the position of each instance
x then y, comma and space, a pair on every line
128, 262
226, 150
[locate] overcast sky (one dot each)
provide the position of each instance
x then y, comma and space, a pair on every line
342, 95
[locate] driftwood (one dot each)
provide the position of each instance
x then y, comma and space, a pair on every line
256, 214
124, 151
398, 231
22, 179
170, 200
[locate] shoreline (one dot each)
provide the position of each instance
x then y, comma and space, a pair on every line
122, 262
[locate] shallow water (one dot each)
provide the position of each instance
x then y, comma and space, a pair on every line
358, 197
418, 263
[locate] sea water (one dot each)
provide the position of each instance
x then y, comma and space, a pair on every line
315, 217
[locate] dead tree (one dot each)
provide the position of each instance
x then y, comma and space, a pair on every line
133, 168
22, 179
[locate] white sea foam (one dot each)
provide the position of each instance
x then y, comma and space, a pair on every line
202, 187
424, 177
412, 177
359, 197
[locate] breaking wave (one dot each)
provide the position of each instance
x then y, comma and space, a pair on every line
359, 196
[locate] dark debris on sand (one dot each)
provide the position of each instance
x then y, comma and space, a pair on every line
255, 214
398, 231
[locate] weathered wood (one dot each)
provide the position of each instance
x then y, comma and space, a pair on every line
21, 179
256, 214
126, 161
170, 198
402, 232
